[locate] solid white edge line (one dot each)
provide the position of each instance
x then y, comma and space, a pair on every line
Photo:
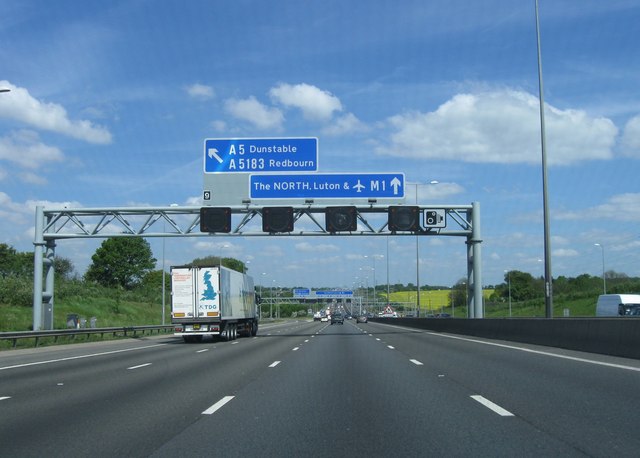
138, 366
514, 347
539, 352
70, 358
217, 405
490, 405
416, 362
274, 364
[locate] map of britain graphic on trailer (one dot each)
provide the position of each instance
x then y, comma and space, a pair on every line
209, 294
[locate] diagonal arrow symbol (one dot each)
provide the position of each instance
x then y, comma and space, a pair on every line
213, 153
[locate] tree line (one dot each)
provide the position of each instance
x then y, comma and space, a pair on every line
127, 264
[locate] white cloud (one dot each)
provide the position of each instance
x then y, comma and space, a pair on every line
12, 213
621, 207
631, 138
200, 91
195, 201
25, 149
32, 178
565, 253
346, 124
435, 191
500, 127
315, 103
256, 113
306, 247
219, 126
20, 105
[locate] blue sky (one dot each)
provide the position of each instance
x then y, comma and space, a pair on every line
110, 103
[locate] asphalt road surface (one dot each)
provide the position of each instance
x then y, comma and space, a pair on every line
317, 390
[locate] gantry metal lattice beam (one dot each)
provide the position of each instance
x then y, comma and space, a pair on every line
67, 223
174, 221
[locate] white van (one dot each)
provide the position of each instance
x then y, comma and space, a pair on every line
618, 305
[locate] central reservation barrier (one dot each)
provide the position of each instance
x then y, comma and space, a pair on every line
609, 336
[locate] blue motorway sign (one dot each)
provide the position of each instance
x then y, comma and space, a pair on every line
327, 185
334, 294
257, 155
301, 292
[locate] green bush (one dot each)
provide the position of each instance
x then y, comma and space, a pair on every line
16, 291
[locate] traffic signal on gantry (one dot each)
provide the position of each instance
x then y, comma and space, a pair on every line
341, 219
277, 219
215, 219
404, 218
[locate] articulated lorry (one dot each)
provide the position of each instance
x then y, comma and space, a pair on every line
212, 301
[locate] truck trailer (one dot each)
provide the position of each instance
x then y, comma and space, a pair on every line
212, 301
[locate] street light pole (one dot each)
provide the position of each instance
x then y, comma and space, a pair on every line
388, 292
432, 182
164, 228
604, 278
509, 282
548, 277
417, 265
163, 280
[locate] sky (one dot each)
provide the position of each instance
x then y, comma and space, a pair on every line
110, 104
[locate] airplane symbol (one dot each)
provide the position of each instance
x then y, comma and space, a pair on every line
213, 153
359, 186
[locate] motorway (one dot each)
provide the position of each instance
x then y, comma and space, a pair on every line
312, 389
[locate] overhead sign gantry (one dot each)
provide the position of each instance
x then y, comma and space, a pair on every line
265, 181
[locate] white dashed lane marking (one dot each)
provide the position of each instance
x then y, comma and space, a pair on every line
495, 407
217, 405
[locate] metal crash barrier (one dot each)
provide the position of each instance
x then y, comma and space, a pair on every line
126, 331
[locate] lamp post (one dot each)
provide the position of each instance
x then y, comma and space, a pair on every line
263, 274
164, 227
388, 292
223, 246
548, 276
432, 182
509, 282
604, 278
163, 280
373, 257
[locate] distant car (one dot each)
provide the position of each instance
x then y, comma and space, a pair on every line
361, 319
324, 318
443, 315
317, 316
337, 318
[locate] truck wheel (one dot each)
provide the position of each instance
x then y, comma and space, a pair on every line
235, 331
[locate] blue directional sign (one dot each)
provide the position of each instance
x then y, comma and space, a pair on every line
327, 186
301, 292
257, 155
334, 294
